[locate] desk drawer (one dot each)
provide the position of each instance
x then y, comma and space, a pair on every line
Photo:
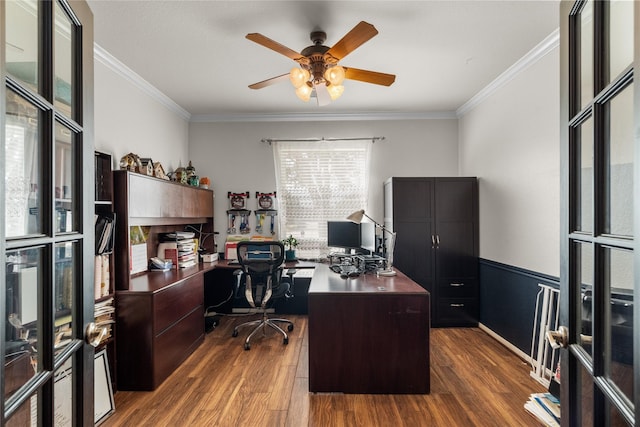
458, 288
176, 301
175, 344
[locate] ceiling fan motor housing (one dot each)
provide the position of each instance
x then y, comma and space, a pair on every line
317, 62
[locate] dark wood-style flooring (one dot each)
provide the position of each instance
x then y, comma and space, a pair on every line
475, 381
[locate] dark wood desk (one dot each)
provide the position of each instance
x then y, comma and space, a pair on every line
368, 334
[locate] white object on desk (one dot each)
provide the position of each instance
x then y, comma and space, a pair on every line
304, 273
138, 258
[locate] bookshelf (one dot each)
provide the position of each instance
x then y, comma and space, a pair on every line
104, 281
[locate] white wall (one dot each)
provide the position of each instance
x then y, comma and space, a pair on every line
129, 120
511, 142
232, 155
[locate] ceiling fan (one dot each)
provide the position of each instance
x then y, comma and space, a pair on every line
319, 71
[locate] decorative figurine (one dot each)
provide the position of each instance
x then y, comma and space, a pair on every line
147, 166
158, 171
131, 162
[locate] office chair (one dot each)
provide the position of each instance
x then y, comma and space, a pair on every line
261, 272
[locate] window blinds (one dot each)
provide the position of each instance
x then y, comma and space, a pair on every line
319, 181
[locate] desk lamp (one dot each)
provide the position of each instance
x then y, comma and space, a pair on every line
357, 218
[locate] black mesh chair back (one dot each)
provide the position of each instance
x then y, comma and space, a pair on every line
262, 263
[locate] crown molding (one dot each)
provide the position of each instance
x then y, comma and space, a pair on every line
322, 117
547, 45
551, 42
120, 68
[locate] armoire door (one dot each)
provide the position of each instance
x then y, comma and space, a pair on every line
456, 254
413, 225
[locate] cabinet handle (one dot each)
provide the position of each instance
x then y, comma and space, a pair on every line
438, 240
433, 241
456, 305
456, 285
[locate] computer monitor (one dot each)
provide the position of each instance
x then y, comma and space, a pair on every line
343, 234
368, 237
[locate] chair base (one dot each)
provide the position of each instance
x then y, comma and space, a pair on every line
262, 324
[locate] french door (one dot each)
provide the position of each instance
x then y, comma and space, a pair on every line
46, 226
600, 258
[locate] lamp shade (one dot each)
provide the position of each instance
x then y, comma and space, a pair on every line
356, 216
298, 76
335, 91
335, 75
304, 92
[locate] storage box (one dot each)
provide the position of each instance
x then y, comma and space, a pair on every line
209, 257
231, 251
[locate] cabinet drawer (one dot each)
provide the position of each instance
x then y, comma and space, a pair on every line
176, 301
457, 312
454, 288
175, 344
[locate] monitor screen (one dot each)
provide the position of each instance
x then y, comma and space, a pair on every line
368, 236
343, 234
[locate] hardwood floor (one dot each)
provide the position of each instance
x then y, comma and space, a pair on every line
475, 381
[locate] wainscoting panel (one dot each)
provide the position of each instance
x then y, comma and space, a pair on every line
508, 301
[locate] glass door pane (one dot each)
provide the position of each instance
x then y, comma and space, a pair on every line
24, 281
63, 394
22, 41
64, 83
23, 180
65, 286
619, 368
584, 277
619, 186
584, 176
586, 54
65, 168
621, 38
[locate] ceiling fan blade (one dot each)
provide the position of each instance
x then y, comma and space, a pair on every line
269, 82
322, 95
369, 76
352, 40
274, 45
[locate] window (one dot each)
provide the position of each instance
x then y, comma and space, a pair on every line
318, 181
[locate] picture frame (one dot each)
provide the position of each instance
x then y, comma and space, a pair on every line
104, 405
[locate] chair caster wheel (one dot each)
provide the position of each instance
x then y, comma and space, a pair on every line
235, 333
285, 341
247, 346
290, 328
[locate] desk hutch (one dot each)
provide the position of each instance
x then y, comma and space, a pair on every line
159, 314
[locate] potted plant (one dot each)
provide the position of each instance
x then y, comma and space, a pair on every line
290, 243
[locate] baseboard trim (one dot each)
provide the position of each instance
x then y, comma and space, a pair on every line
521, 354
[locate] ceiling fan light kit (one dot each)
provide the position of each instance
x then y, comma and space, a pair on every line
319, 71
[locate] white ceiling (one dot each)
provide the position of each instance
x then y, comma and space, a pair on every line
442, 52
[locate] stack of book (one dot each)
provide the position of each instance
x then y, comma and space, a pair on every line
545, 408
104, 314
180, 247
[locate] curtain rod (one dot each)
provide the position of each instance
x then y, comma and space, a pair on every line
372, 138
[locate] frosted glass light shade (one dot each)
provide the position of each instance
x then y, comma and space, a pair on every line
304, 92
335, 91
335, 75
298, 76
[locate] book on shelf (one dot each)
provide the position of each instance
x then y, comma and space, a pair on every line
188, 264
101, 277
168, 251
545, 408
104, 314
105, 230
